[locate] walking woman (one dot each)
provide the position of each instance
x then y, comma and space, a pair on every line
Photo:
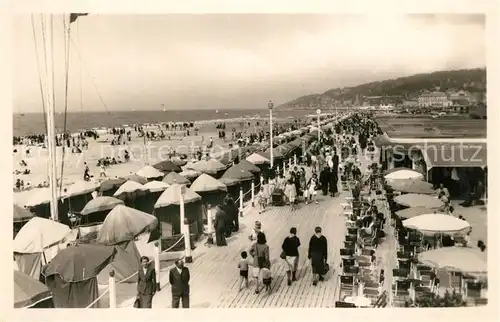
220, 226
318, 254
290, 249
260, 249
291, 193
312, 188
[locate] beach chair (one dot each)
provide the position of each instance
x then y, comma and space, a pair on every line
351, 270
367, 252
473, 294
344, 252
351, 238
399, 274
344, 304
349, 245
348, 262
401, 290
352, 231
346, 285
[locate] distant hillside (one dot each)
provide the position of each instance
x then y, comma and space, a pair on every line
471, 80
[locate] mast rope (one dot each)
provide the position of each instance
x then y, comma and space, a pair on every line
39, 70
67, 31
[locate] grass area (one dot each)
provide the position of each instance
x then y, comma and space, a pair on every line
428, 127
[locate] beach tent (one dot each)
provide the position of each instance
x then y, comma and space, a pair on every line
109, 187
175, 178
211, 167
178, 161
20, 217
190, 174
210, 189
72, 274
32, 245
96, 210
167, 166
78, 194
150, 173
167, 211
129, 192
257, 159
136, 178
124, 224
231, 156
252, 168
38, 202
125, 264
147, 202
236, 177
29, 292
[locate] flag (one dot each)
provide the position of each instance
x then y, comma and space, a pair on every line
74, 16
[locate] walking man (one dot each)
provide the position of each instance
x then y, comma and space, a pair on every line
179, 280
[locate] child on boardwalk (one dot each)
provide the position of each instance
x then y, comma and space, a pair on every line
243, 266
263, 197
264, 276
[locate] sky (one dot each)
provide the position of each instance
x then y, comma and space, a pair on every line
134, 62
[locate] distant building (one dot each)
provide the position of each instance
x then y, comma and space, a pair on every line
434, 99
383, 100
461, 98
410, 104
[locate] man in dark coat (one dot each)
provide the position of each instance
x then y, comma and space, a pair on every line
233, 213
179, 281
146, 283
335, 160
318, 254
333, 182
324, 179
220, 226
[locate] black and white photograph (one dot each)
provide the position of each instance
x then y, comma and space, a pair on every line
179, 161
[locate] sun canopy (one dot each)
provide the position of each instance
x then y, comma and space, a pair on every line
247, 166
167, 166
80, 188
418, 200
22, 214
238, 173
149, 172
173, 178
211, 166
206, 183
403, 174
412, 186
172, 196
190, 174
111, 184
136, 178
124, 224
28, 291
455, 155
100, 204
80, 262
436, 223
39, 234
155, 186
257, 158
414, 212
460, 259
128, 188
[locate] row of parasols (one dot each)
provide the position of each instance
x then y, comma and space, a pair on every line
422, 214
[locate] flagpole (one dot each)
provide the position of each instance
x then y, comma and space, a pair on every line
51, 135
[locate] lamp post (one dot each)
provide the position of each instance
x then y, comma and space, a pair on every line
318, 111
270, 105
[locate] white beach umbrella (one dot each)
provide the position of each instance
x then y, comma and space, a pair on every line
436, 223
155, 186
459, 259
149, 172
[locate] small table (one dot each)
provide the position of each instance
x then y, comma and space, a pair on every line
359, 301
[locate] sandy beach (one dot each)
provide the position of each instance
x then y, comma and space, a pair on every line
141, 154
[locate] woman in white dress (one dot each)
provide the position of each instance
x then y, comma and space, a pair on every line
312, 188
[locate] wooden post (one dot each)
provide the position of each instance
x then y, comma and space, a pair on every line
295, 160
290, 163
157, 265
185, 224
253, 193
241, 201
210, 224
284, 168
112, 290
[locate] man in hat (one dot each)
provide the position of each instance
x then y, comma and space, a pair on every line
256, 230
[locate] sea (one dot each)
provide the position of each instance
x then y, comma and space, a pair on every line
34, 123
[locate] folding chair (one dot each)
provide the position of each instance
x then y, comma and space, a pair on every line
399, 274
349, 245
351, 270
401, 290
367, 252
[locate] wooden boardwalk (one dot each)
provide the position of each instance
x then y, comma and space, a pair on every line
215, 276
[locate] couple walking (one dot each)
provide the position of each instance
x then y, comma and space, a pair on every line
317, 253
